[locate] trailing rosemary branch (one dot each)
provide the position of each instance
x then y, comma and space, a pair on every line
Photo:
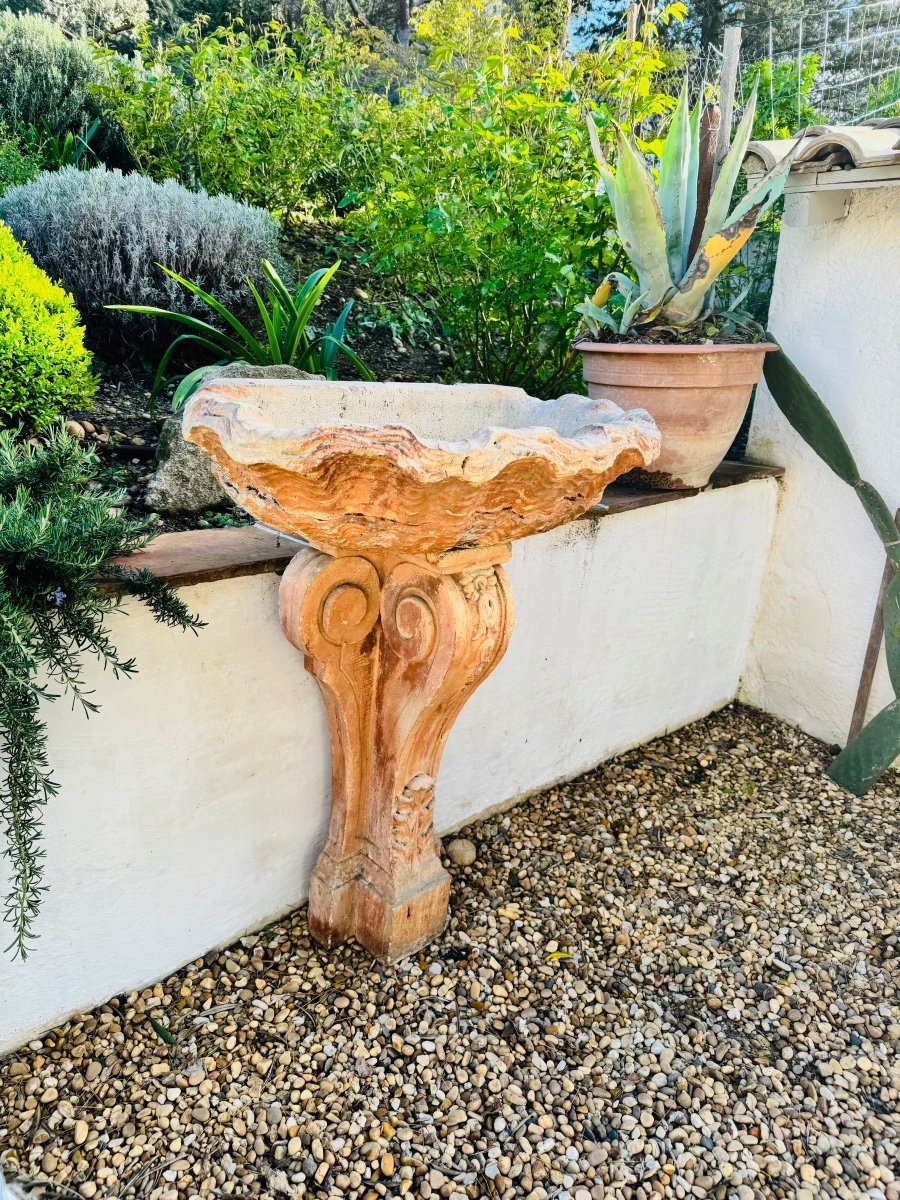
59, 532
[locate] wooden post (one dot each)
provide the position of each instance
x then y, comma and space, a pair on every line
731, 54
873, 651
631, 22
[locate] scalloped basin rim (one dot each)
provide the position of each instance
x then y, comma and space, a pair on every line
338, 464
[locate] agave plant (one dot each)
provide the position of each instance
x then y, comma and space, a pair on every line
289, 338
677, 243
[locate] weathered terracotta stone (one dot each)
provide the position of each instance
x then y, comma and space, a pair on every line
400, 603
417, 468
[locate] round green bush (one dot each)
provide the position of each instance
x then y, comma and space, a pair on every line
44, 366
101, 234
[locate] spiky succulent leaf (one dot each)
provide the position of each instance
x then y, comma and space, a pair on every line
707, 265
674, 184
720, 200
874, 749
606, 175
768, 189
640, 223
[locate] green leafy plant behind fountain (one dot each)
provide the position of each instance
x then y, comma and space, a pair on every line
876, 747
289, 337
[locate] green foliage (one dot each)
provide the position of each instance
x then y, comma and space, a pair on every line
256, 117
475, 192
44, 367
876, 747
45, 76
678, 240
18, 163
777, 115
58, 533
101, 20
102, 234
289, 338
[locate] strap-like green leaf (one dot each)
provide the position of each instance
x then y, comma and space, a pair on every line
890, 610
238, 326
880, 515
271, 333
278, 285
191, 382
203, 328
809, 415
871, 753
196, 339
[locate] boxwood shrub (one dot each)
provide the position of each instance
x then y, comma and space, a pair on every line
44, 366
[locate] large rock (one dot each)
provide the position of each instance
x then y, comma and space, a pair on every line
183, 481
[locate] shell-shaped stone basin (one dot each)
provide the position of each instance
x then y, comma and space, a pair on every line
414, 467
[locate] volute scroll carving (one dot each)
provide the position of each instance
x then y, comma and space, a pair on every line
396, 646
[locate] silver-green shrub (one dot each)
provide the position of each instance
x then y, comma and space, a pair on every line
101, 234
45, 75
102, 20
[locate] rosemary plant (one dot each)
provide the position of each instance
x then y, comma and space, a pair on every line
59, 532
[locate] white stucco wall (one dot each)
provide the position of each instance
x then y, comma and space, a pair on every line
835, 307
192, 807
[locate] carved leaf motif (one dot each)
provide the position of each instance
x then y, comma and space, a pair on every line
482, 590
412, 835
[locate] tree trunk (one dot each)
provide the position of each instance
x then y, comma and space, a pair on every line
402, 25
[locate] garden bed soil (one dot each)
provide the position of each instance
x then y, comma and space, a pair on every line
124, 424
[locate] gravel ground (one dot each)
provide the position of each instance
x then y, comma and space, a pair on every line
676, 976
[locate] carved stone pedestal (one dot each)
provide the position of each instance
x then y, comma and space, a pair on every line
397, 644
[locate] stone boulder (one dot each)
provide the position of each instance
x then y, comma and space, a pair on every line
183, 481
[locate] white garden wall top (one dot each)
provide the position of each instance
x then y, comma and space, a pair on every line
192, 807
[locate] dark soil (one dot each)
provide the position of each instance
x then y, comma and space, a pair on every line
124, 424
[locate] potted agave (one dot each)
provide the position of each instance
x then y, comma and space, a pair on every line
658, 341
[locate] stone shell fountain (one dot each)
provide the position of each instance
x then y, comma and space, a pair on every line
408, 496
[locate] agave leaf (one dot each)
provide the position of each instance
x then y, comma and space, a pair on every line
693, 176
890, 610
599, 316
602, 294
707, 265
630, 312
808, 414
769, 188
640, 222
720, 200
609, 179
674, 180
874, 749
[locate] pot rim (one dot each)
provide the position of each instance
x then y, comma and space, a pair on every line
672, 348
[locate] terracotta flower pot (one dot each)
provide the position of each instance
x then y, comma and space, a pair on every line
696, 394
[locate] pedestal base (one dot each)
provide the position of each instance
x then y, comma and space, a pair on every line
396, 645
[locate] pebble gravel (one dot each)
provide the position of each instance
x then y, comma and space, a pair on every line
678, 975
